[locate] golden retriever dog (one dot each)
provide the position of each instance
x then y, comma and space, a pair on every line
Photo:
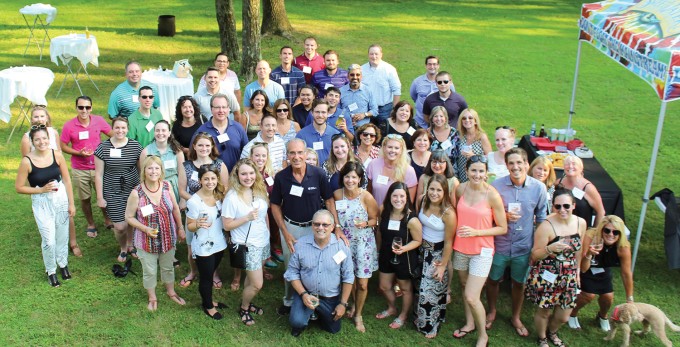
651, 317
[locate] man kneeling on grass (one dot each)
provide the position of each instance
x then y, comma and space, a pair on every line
321, 272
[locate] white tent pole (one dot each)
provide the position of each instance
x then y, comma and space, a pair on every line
650, 177
573, 88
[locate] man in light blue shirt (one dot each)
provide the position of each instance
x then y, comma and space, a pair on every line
287, 75
273, 90
318, 135
321, 272
382, 80
334, 113
424, 85
125, 98
356, 100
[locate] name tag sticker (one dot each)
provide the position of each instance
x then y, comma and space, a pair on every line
222, 138
446, 144
194, 175
341, 205
170, 164
135, 98
578, 193
486, 252
318, 145
596, 270
327, 85
296, 190
410, 130
367, 161
353, 106
383, 179
393, 225
83, 135
549, 276
149, 126
339, 257
115, 153
285, 80
307, 69
434, 220
147, 210
269, 180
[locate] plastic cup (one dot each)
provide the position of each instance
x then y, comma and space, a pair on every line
553, 134
562, 134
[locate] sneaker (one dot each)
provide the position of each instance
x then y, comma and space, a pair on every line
573, 323
270, 264
604, 323
277, 255
283, 310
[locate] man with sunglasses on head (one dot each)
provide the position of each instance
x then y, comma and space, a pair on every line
83, 133
334, 112
213, 86
142, 121
287, 75
318, 135
356, 99
447, 97
125, 98
526, 202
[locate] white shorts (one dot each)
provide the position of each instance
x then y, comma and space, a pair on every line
475, 264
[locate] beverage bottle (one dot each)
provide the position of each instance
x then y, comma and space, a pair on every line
87, 33
542, 132
532, 133
341, 120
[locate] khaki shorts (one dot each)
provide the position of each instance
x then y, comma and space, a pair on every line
83, 183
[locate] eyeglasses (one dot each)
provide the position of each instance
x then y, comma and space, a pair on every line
39, 126
316, 225
611, 231
84, 107
439, 162
478, 159
503, 127
281, 110
369, 135
146, 96
221, 61
394, 136
562, 206
220, 107
443, 82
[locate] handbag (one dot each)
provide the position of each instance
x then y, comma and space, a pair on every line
237, 251
417, 270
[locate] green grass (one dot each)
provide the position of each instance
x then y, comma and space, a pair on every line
513, 61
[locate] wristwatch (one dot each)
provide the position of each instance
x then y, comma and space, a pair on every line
338, 226
346, 304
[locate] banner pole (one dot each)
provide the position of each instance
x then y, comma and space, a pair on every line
573, 89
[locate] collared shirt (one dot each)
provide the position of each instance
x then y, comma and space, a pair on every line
421, 87
454, 104
140, 128
230, 81
321, 143
80, 136
273, 90
300, 114
124, 99
533, 199
332, 119
358, 101
276, 148
316, 267
289, 80
323, 80
382, 80
300, 207
203, 97
315, 64
230, 147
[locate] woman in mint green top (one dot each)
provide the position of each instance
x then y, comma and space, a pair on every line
169, 150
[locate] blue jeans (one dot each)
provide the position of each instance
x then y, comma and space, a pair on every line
384, 112
299, 314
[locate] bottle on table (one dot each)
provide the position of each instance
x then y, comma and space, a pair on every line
532, 133
542, 132
87, 33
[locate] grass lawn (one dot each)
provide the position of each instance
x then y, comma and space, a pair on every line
513, 61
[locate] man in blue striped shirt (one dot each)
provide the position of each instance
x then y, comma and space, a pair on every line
321, 271
287, 75
125, 98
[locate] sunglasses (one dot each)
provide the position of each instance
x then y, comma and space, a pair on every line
478, 159
611, 231
503, 127
209, 167
39, 126
84, 107
316, 225
337, 136
265, 144
369, 135
562, 206
443, 82
394, 136
146, 96
281, 110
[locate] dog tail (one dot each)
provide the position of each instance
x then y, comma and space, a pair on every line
673, 327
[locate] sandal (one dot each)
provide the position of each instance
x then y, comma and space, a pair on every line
430, 335
543, 342
153, 305
384, 314
554, 339
177, 299
186, 282
460, 333
255, 309
176, 263
91, 232
76, 250
122, 257
217, 284
396, 323
359, 323
235, 284
133, 252
397, 291
246, 318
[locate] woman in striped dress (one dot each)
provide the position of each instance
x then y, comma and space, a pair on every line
116, 174
473, 141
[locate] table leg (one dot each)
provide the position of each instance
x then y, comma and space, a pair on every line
30, 28
84, 68
69, 71
23, 116
33, 36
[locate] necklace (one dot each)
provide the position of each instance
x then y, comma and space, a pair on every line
152, 191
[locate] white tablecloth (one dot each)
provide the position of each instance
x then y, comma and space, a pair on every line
67, 47
30, 82
170, 88
39, 8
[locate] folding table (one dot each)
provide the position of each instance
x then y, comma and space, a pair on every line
29, 82
39, 25
80, 46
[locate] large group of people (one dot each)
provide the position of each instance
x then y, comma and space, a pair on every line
330, 172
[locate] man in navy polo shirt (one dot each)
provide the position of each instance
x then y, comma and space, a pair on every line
298, 192
452, 101
287, 75
229, 136
334, 113
331, 76
318, 135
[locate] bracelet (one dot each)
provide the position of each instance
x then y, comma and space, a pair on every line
547, 250
303, 293
630, 298
587, 257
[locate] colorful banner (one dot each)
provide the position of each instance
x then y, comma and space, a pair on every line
641, 35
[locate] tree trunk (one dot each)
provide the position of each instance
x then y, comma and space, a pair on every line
224, 10
251, 38
275, 19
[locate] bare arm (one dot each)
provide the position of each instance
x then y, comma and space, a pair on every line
25, 145
181, 180
224, 176
449, 219
287, 237
415, 229
99, 166
626, 272
486, 144
66, 180
177, 215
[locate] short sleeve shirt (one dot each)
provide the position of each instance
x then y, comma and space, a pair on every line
80, 136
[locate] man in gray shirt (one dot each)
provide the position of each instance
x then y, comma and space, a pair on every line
525, 200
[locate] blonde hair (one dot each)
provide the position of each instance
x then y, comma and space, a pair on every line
441, 109
402, 163
310, 151
618, 224
259, 189
268, 169
576, 160
47, 113
478, 125
548, 164
152, 159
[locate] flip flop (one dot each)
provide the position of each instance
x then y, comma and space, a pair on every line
186, 282
91, 232
460, 333
123, 256
217, 284
177, 299
396, 323
384, 314
133, 252
489, 324
235, 285
522, 331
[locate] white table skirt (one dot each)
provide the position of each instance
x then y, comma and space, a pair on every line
39, 8
67, 47
170, 88
28, 81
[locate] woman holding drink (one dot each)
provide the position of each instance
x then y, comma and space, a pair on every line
473, 140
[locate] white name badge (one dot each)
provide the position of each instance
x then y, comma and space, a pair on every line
353, 106
486, 252
194, 175
222, 138
285, 80
410, 130
367, 161
339, 257
446, 144
434, 220
296, 190
383, 180
149, 126
328, 85
596, 270
393, 225
514, 207
341, 205
549, 276
135, 98
171, 164
307, 69
115, 153
147, 210
270, 181
317, 145
578, 193
83, 135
